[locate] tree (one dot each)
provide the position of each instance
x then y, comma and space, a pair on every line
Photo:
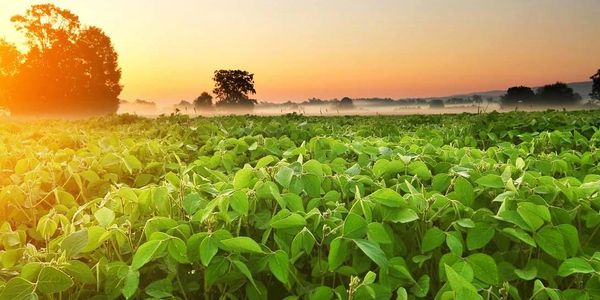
203, 101
518, 94
70, 68
232, 88
10, 62
557, 94
436, 103
346, 103
595, 86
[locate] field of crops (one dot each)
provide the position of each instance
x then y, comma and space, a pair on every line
489, 206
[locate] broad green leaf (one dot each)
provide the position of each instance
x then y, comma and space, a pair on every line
312, 185
480, 235
355, 226
240, 244
104, 216
242, 178
284, 176
75, 242
521, 235
575, 265
160, 289
534, 215
484, 268
420, 169
433, 238
239, 202
80, 272
148, 251
178, 250
373, 251
245, 271
131, 284
208, 249
279, 265
52, 280
338, 252
18, 288
491, 181
462, 288
293, 220
552, 242
376, 232
388, 197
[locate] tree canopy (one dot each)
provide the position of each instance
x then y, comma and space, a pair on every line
233, 86
558, 94
517, 94
595, 94
203, 101
69, 67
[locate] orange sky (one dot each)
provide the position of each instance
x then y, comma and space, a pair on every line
335, 48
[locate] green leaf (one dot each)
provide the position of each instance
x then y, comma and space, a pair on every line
433, 238
242, 178
454, 243
146, 252
575, 265
338, 252
279, 265
178, 250
208, 249
245, 271
479, 236
388, 197
420, 169
18, 289
160, 289
521, 235
104, 216
376, 232
293, 220
373, 251
312, 185
528, 273
534, 215
131, 284
491, 180
52, 280
80, 272
239, 202
484, 268
463, 288
355, 226
552, 242
75, 242
421, 287
464, 191
284, 176
241, 244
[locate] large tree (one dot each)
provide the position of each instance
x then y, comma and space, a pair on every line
69, 67
10, 62
595, 86
557, 94
518, 94
233, 86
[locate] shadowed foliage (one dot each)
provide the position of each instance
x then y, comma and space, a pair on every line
595, 95
232, 88
203, 101
69, 68
557, 94
518, 94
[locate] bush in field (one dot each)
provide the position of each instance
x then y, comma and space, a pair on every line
595, 94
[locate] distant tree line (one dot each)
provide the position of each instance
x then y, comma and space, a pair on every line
556, 94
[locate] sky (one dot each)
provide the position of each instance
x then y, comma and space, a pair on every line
168, 50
